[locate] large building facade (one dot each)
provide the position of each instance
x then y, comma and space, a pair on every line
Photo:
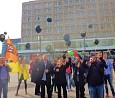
68, 17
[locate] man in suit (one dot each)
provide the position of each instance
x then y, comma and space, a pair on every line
46, 71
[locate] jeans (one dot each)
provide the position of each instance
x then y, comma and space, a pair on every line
68, 78
96, 91
109, 79
4, 86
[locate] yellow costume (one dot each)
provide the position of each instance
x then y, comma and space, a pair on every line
23, 71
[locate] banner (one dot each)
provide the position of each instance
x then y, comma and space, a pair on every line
14, 66
11, 51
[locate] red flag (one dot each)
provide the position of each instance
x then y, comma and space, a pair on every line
11, 51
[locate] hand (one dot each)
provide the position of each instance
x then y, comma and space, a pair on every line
6, 65
37, 69
67, 60
46, 70
57, 70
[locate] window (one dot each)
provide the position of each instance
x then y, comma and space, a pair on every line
49, 4
112, 4
91, 13
104, 12
57, 10
113, 11
101, 5
57, 3
39, 5
113, 18
37, 12
95, 26
78, 7
91, 6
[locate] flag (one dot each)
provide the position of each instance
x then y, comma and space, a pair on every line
11, 51
73, 53
14, 66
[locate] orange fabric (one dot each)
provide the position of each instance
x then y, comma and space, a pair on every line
11, 51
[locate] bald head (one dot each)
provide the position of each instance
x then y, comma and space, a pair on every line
105, 56
45, 58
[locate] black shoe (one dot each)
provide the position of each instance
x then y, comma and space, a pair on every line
38, 94
55, 92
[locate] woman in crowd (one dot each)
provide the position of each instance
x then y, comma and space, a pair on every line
69, 76
60, 76
54, 61
23, 75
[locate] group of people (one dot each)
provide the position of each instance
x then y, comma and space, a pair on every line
62, 73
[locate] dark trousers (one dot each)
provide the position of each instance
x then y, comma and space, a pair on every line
19, 83
109, 79
64, 90
4, 87
49, 92
37, 89
53, 86
80, 90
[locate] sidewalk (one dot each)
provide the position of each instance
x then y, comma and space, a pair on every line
13, 86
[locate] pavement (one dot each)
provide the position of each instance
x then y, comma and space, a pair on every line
14, 82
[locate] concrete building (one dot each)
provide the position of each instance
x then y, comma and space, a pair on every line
68, 17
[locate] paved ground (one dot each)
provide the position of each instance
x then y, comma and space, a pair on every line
14, 82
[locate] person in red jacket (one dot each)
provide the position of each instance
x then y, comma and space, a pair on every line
31, 65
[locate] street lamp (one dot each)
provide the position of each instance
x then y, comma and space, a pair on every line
40, 40
83, 34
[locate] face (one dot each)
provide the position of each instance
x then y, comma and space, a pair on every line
45, 58
2, 61
92, 58
100, 54
105, 56
78, 59
59, 63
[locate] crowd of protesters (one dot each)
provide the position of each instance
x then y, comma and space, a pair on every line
63, 74
95, 70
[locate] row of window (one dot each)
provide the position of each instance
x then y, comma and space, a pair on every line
55, 3
61, 3
69, 22
70, 28
72, 13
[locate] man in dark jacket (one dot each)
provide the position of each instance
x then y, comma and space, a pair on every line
4, 78
78, 76
35, 75
46, 72
95, 76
